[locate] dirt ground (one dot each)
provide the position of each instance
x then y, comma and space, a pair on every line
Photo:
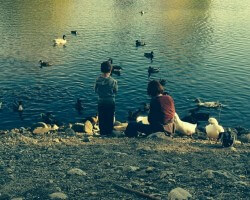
35, 166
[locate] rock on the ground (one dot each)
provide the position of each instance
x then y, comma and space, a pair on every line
78, 127
120, 126
219, 173
58, 195
77, 171
88, 127
159, 135
179, 194
245, 138
70, 132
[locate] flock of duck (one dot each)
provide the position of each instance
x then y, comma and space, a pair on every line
187, 125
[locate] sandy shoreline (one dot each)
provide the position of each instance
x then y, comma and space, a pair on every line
35, 166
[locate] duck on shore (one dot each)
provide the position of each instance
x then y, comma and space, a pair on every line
60, 41
213, 129
183, 127
44, 63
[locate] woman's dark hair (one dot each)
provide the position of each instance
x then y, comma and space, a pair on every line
155, 88
106, 67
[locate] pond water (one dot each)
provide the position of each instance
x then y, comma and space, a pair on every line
201, 47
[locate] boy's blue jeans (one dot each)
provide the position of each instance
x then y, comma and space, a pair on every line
106, 111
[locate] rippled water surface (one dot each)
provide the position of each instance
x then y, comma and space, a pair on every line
201, 47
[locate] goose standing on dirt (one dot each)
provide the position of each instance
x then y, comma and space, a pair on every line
184, 127
213, 129
59, 41
209, 104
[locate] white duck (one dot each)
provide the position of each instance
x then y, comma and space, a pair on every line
213, 129
208, 104
185, 128
59, 41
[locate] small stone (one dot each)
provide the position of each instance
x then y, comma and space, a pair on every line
241, 183
159, 135
93, 193
179, 194
58, 195
56, 140
150, 169
133, 168
86, 139
88, 127
233, 149
70, 132
76, 171
245, 138
118, 134
208, 174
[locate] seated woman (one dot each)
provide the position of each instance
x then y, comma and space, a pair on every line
161, 114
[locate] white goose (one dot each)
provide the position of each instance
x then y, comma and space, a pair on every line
59, 41
185, 128
213, 129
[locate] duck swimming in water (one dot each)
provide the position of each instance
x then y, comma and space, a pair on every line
78, 106
139, 43
116, 69
1, 103
209, 104
141, 12
48, 118
74, 32
44, 64
60, 41
152, 70
18, 106
149, 55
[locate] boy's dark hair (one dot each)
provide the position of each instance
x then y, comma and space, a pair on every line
106, 67
154, 88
